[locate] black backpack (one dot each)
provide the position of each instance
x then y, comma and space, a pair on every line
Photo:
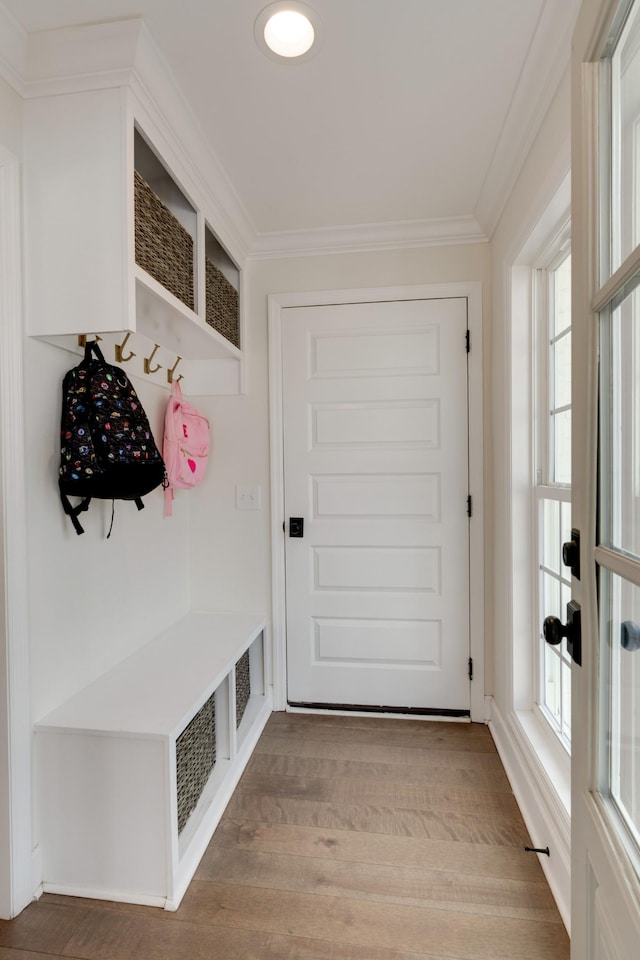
107, 447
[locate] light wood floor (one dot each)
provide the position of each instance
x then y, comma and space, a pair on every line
346, 839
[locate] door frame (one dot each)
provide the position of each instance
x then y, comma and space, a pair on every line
16, 886
605, 888
278, 302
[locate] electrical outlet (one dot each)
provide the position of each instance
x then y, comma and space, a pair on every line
247, 497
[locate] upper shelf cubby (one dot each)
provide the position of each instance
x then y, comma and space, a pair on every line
222, 289
117, 238
166, 225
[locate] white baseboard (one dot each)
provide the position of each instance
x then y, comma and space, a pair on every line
545, 815
117, 896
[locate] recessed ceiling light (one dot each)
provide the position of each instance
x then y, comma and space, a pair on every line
288, 31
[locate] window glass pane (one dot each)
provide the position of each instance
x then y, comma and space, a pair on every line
551, 595
566, 699
561, 359
620, 623
551, 535
561, 429
552, 690
562, 297
565, 529
625, 174
565, 597
620, 418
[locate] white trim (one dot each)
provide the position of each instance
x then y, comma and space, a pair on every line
363, 237
547, 60
13, 50
15, 804
472, 291
115, 896
276, 458
539, 797
420, 718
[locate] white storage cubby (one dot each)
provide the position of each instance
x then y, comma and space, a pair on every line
80, 153
109, 796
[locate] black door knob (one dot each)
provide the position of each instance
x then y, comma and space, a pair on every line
571, 553
554, 630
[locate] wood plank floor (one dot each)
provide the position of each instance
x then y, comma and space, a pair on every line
346, 839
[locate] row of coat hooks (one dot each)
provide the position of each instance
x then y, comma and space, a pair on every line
147, 361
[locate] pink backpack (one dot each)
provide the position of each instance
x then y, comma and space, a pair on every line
185, 448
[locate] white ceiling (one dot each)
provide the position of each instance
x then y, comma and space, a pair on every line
413, 112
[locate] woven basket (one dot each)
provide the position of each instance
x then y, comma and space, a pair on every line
195, 758
222, 304
163, 247
243, 686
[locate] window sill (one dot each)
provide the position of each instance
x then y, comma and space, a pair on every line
551, 755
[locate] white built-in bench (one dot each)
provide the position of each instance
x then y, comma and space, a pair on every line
110, 758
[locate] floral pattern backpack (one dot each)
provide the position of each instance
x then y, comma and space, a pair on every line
185, 448
107, 449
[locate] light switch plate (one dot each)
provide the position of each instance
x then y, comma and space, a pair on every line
248, 497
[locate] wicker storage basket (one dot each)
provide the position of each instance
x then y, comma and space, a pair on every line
163, 247
195, 757
243, 686
222, 304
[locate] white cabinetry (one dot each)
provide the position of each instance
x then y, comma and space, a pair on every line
80, 153
110, 796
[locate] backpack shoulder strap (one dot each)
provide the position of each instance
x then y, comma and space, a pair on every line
72, 512
91, 347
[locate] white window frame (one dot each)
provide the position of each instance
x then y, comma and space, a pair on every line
544, 487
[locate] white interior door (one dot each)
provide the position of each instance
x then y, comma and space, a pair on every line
376, 467
606, 463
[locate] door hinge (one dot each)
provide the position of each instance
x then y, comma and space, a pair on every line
469, 506
468, 340
470, 668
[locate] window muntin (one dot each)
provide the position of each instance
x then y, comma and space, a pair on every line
617, 552
553, 474
554, 592
620, 454
559, 399
620, 601
625, 141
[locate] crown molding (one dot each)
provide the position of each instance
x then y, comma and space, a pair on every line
13, 51
365, 237
79, 58
547, 60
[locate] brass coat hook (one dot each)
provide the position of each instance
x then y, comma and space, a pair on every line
171, 372
82, 339
119, 347
147, 361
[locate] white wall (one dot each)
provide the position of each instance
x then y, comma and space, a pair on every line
537, 767
231, 548
93, 601
11, 892
544, 170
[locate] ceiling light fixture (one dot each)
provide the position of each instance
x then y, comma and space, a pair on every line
288, 31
